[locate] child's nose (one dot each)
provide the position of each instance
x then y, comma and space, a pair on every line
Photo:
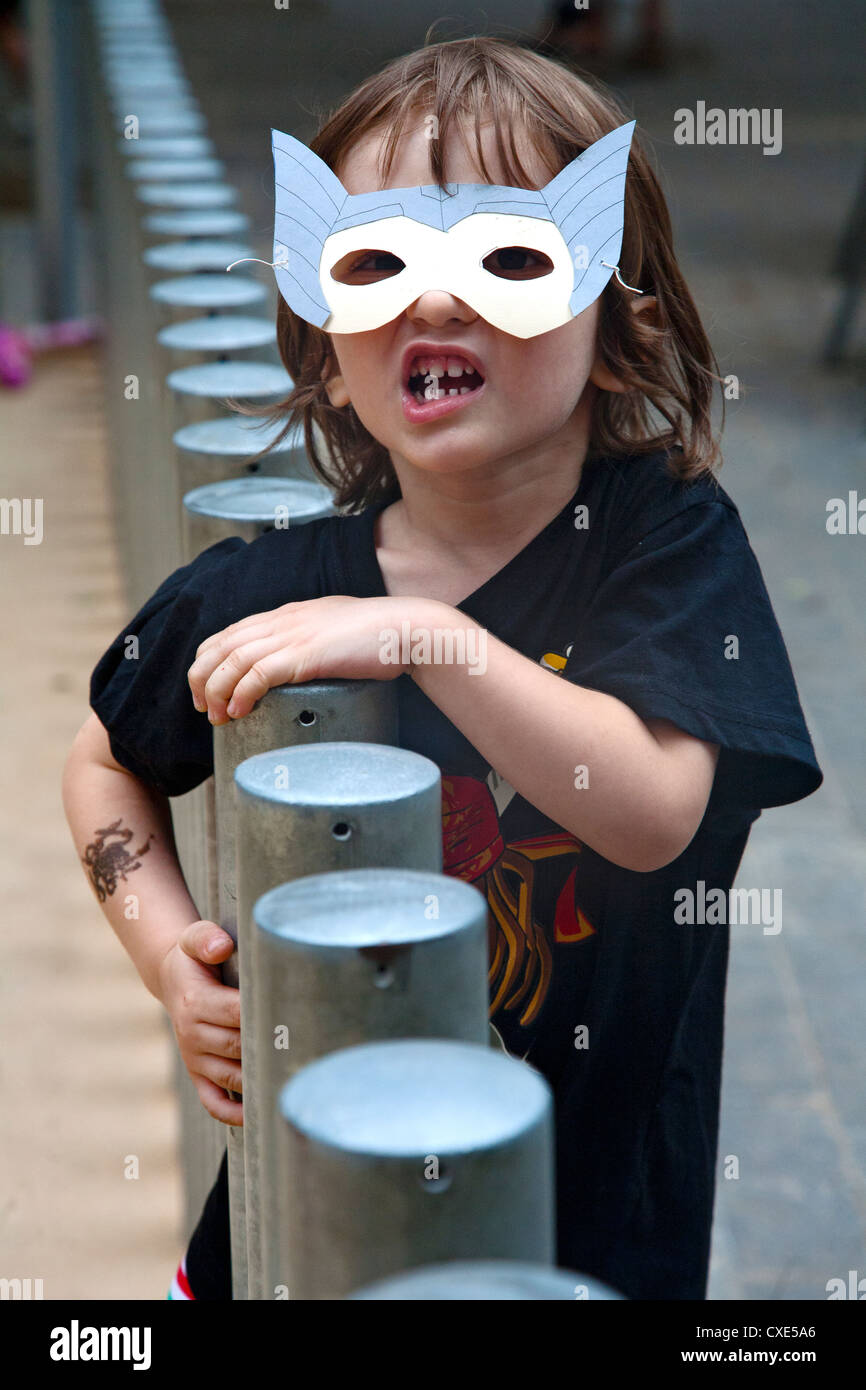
437, 307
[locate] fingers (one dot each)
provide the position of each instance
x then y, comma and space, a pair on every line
203, 1000
207, 942
244, 630
220, 687
219, 1042
220, 1071
278, 668
216, 649
217, 1103
236, 633
213, 1003
246, 663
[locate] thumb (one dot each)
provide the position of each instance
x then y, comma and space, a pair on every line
207, 942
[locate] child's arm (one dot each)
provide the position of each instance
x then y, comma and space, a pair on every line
123, 835
648, 783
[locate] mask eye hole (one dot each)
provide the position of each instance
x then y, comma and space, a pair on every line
366, 267
517, 263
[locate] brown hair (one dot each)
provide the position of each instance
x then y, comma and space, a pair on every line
667, 366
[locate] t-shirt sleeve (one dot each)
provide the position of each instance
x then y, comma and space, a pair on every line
681, 628
139, 688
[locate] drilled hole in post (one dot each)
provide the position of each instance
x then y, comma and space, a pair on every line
384, 976
307, 717
253, 467
341, 831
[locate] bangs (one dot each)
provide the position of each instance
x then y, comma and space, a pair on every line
462, 114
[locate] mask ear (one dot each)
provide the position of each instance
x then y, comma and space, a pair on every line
308, 199
586, 201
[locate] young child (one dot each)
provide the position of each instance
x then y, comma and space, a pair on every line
636, 708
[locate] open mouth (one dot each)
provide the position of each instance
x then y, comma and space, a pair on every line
433, 378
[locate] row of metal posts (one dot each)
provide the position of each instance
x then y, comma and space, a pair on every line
382, 1133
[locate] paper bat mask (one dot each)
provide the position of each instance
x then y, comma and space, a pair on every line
573, 227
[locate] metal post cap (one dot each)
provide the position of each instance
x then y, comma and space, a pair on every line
197, 254
249, 381
218, 333
415, 1097
186, 195
208, 291
175, 170
360, 908
344, 776
257, 498
491, 1281
167, 147
195, 222
237, 436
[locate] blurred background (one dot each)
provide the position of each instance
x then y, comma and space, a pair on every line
772, 246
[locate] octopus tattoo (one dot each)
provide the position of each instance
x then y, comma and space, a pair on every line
107, 862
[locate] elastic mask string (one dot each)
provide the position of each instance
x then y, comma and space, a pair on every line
281, 263
615, 269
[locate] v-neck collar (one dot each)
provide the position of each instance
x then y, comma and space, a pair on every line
363, 573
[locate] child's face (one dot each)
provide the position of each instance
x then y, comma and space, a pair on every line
536, 392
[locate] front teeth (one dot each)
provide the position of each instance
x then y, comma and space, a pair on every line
439, 367
433, 369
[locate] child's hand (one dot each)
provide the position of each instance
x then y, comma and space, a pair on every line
337, 636
206, 1015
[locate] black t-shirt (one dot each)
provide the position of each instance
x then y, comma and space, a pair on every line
645, 588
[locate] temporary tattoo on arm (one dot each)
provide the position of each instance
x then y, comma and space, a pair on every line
107, 860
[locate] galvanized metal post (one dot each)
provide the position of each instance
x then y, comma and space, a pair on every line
189, 295
193, 254
242, 507
247, 507
195, 222
54, 41
198, 392
141, 91
194, 394
401, 1154
350, 957
289, 714
173, 170
219, 335
311, 810
487, 1281
174, 147
211, 451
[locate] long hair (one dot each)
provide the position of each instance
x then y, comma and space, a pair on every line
667, 366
